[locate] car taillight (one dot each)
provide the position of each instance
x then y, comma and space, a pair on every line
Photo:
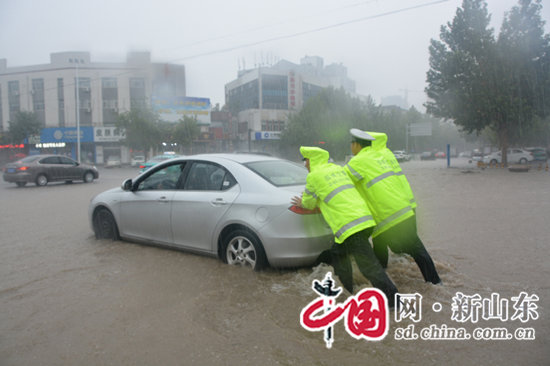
142, 166
23, 168
303, 211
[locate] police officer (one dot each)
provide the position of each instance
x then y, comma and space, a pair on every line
378, 179
329, 188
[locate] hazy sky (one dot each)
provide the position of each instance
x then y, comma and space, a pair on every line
384, 44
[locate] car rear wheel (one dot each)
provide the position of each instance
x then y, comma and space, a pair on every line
21, 184
88, 177
105, 226
243, 248
41, 180
494, 162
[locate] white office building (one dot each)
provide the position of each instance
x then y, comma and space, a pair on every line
72, 91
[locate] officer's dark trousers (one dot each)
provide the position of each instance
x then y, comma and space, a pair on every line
359, 246
403, 238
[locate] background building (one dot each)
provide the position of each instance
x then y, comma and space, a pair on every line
262, 99
73, 90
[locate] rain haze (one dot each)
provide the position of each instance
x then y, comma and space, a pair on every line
383, 44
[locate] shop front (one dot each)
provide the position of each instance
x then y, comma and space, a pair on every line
64, 141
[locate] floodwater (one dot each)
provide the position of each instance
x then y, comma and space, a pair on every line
68, 299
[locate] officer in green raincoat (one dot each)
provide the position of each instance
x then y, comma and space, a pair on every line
329, 188
380, 181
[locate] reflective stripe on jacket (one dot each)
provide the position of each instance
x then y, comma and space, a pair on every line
380, 187
380, 145
329, 188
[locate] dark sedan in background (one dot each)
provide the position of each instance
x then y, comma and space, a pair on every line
42, 169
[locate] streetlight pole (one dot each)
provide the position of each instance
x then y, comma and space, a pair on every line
77, 114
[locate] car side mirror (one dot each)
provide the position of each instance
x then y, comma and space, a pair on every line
127, 185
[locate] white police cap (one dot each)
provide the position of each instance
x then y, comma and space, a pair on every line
361, 135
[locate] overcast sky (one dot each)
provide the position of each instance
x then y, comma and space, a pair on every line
384, 43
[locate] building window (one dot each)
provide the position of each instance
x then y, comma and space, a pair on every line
61, 102
108, 83
14, 103
274, 91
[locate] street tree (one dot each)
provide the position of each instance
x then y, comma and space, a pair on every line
186, 131
142, 128
24, 124
481, 82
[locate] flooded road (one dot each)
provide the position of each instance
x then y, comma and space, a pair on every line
69, 299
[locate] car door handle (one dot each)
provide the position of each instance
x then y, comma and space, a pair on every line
162, 199
219, 202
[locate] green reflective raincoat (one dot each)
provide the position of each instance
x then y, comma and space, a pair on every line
329, 188
382, 139
381, 187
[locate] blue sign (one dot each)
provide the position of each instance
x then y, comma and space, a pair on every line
66, 134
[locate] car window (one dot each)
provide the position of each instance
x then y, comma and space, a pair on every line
280, 172
50, 160
167, 178
205, 176
66, 161
29, 159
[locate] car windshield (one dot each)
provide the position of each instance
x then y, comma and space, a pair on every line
279, 172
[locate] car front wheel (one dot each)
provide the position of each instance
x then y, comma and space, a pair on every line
243, 248
523, 161
88, 177
41, 180
105, 226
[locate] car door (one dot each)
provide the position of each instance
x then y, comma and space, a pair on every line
70, 169
208, 192
145, 212
51, 166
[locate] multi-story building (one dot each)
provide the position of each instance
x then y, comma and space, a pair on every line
263, 98
72, 91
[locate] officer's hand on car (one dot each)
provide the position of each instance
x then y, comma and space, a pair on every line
296, 201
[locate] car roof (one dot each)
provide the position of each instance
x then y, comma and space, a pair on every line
241, 158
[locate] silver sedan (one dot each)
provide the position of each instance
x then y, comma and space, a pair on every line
233, 206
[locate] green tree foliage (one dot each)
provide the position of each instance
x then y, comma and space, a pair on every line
185, 131
325, 121
23, 125
142, 128
480, 82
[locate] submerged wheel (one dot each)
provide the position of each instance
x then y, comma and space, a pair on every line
41, 180
88, 177
243, 248
105, 226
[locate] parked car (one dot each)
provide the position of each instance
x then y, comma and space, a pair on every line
113, 161
401, 155
514, 156
427, 155
233, 206
42, 169
137, 160
539, 153
157, 159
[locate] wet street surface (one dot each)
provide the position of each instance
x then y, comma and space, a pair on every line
69, 299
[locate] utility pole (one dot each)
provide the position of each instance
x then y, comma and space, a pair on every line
77, 113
